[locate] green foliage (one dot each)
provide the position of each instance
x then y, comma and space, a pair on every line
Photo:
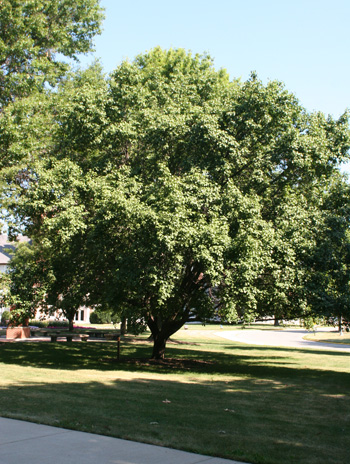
33, 37
5, 317
25, 134
329, 261
63, 324
136, 326
168, 191
43, 324
58, 249
36, 38
314, 320
101, 317
28, 282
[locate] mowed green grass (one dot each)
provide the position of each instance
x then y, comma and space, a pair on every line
249, 403
329, 337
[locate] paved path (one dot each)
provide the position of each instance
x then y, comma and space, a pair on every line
288, 337
40, 444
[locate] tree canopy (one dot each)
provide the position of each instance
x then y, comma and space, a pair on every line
175, 191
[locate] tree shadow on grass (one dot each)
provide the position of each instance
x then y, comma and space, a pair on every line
275, 364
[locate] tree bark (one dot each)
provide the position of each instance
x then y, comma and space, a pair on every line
159, 345
161, 331
340, 325
123, 326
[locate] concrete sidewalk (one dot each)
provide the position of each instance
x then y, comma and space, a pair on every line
40, 444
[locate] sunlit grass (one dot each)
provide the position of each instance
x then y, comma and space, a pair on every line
329, 337
255, 404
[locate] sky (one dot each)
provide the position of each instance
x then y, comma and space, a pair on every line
303, 43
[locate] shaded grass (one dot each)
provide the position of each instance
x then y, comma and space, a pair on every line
258, 404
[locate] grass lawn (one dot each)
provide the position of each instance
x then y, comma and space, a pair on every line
250, 403
329, 337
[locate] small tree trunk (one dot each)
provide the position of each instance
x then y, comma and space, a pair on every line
123, 326
277, 322
71, 324
340, 325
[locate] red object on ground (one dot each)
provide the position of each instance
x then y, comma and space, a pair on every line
18, 332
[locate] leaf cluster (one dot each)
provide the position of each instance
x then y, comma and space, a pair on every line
35, 35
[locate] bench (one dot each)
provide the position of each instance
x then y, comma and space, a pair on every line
47, 333
103, 334
96, 334
69, 337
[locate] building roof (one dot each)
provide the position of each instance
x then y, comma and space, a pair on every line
7, 247
4, 259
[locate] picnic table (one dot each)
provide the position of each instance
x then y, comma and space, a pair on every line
103, 334
54, 334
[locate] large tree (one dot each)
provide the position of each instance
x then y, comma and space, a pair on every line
195, 193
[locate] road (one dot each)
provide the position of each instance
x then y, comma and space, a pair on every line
286, 338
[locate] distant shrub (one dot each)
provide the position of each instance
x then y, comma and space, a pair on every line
5, 317
58, 324
45, 324
37, 323
101, 317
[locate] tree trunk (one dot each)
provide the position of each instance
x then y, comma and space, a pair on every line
71, 324
123, 326
161, 331
340, 325
159, 345
277, 322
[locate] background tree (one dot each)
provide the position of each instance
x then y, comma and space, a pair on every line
36, 39
56, 224
27, 279
36, 35
282, 284
329, 261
